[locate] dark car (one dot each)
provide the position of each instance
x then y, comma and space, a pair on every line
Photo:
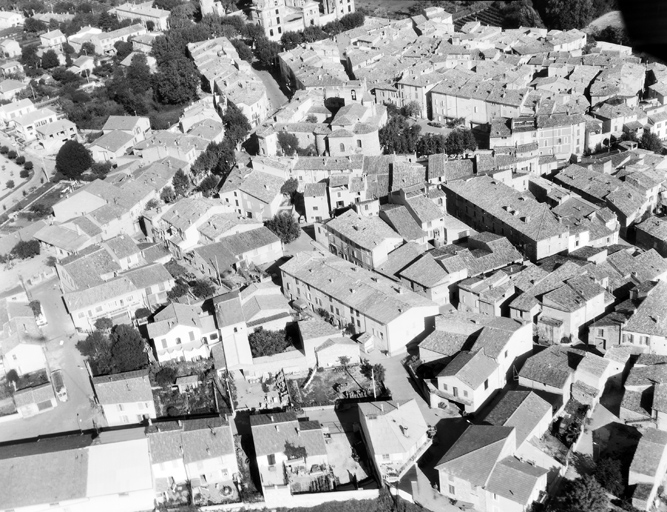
435, 124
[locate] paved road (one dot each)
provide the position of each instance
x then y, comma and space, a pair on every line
61, 353
276, 96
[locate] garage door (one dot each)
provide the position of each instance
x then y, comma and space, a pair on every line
42, 406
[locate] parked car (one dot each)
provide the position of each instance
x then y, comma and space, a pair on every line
435, 124
59, 385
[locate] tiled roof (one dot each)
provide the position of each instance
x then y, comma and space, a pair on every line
316, 328
400, 219
393, 427
522, 410
552, 367
471, 368
515, 480
365, 232
128, 387
271, 432
649, 453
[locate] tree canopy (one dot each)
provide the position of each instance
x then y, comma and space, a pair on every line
284, 226
50, 60
584, 494
177, 82
267, 343
72, 159
127, 349
399, 136
25, 249
180, 182
651, 142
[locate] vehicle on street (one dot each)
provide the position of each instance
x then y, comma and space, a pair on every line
59, 385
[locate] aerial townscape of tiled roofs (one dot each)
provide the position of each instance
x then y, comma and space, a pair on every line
301, 256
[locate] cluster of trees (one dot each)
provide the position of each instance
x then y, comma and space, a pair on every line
201, 288
291, 40
24, 250
114, 349
289, 144
401, 136
267, 343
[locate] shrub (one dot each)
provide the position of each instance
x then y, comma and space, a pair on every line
28, 167
203, 288
142, 313
166, 376
103, 324
9, 184
20, 160
24, 174
4, 150
11, 154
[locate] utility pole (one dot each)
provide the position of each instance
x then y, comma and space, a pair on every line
375, 397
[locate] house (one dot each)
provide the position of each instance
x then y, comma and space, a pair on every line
315, 202
365, 241
149, 16
52, 136
647, 327
163, 144
488, 205
234, 346
200, 452
52, 39
21, 341
137, 126
396, 435
480, 468
255, 195
331, 351
28, 124
181, 332
11, 19
567, 372
284, 447
78, 472
120, 297
644, 400
35, 398
11, 67
9, 89
648, 467
125, 397
353, 295
111, 146
479, 357
652, 234
255, 247
105, 41
222, 225
16, 109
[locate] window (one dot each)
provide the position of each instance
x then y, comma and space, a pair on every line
365, 207
280, 30
600, 332
288, 286
214, 336
271, 458
505, 353
277, 11
643, 340
342, 147
192, 335
337, 312
465, 393
358, 323
486, 384
98, 309
164, 343
331, 308
120, 407
358, 143
444, 386
353, 93
452, 489
385, 456
178, 341
315, 208
271, 32
236, 329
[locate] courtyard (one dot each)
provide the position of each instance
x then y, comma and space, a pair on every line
347, 458
330, 385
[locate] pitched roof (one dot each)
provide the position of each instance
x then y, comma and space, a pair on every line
473, 456
471, 368
366, 232
515, 480
271, 432
522, 410
393, 427
122, 388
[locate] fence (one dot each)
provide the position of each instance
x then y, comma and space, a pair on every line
299, 500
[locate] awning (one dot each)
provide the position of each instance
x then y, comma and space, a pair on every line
299, 304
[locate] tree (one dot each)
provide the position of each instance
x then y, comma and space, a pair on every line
236, 124
36, 307
72, 159
353, 20
244, 51
20, 160
166, 376
11, 154
180, 182
584, 494
179, 289
290, 186
4, 150
50, 60
430, 144
29, 56
33, 25
88, 48
24, 250
10, 184
650, 142
293, 451
208, 185
28, 166
127, 349
311, 118
203, 288
139, 74
412, 109
267, 51
103, 324
267, 343
97, 349
288, 142
372, 371
12, 376
142, 313
177, 82
565, 14
344, 362
167, 195
284, 226
608, 474
51, 261
152, 204
100, 169
399, 136
291, 40
460, 141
